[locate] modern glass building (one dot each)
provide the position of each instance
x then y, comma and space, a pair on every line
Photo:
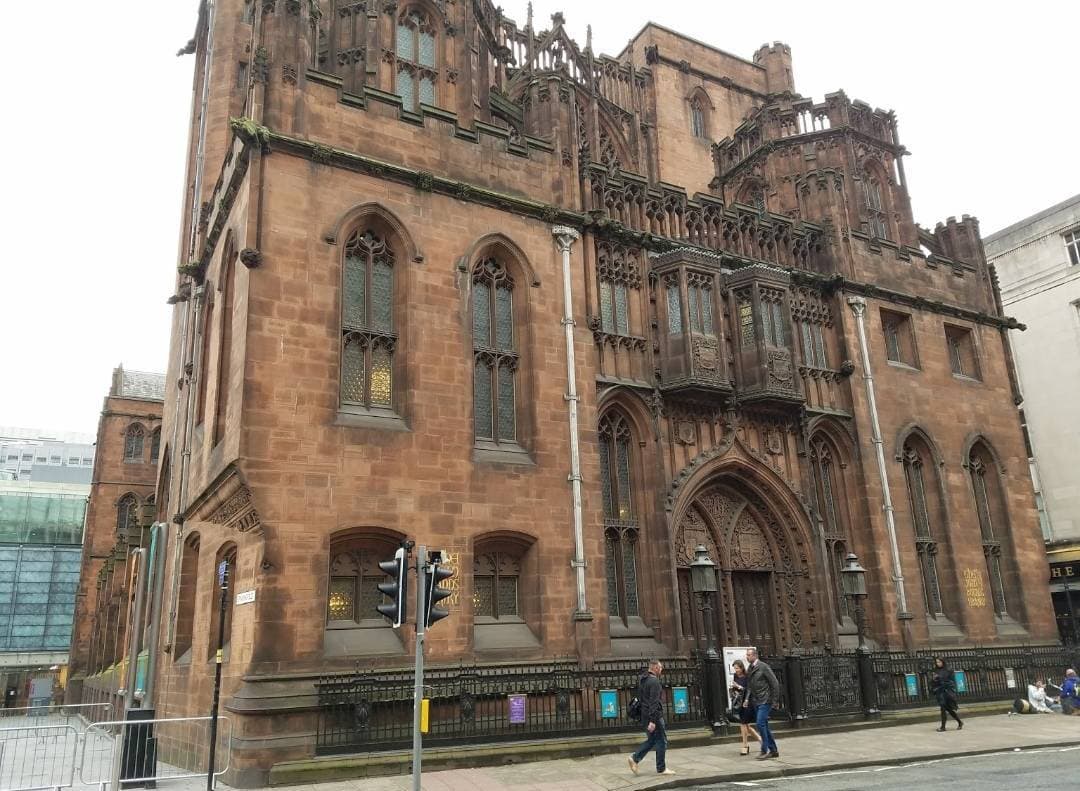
41, 534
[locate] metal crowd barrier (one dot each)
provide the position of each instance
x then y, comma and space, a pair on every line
38, 757
86, 711
144, 751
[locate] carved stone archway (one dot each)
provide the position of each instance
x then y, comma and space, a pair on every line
761, 573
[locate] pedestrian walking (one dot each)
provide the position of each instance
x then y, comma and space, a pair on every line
738, 698
763, 691
651, 696
943, 687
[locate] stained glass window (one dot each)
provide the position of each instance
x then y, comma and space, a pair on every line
925, 543
427, 90
367, 311
695, 317
807, 344
342, 602
495, 585
779, 336
615, 445
607, 307
746, 322
495, 357
353, 592
707, 325
622, 308
819, 346
674, 309
415, 50
766, 323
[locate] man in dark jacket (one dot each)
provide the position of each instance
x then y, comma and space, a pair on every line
762, 692
651, 695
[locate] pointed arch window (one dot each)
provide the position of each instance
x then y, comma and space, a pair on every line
367, 322
697, 118
989, 507
495, 355
226, 558
415, 47
875, 207
155, 445
186, 597
828, 506
923, 523
620, 522
619, 274
225, 344
133, 443
127, 513
354, 580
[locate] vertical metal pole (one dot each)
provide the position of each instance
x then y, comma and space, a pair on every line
138, 557
418, 679
217, 675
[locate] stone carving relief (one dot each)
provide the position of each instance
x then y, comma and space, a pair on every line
749, 549
238, 513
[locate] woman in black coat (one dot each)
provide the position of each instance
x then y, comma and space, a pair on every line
943, 687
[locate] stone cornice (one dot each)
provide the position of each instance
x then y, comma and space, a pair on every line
592, 222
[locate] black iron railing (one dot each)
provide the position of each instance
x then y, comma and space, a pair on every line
370, 711
497, 703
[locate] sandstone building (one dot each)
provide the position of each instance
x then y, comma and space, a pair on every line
397, 212
118, 511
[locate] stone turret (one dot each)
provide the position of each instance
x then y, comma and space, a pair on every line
776, 59
960, 240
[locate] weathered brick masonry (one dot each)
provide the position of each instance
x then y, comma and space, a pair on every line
370, 340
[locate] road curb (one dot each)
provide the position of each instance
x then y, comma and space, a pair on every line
798, 771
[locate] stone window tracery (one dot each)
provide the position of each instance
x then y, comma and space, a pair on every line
415, 50
155, 445
619, 274
620, 522
495, 356
353, 592
828, 505
875, 208
772, 317
673, 300
496, 576
133, 443
923, 523
127, 513
989, 509
699, 291
367, 325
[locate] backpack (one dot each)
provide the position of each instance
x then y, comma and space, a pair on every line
633, 709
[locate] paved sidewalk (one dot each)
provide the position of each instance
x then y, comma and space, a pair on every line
714, 763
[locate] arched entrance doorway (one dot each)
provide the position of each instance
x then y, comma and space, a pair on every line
759, 570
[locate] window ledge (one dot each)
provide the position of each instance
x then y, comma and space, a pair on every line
385, 421
634, 627
505, 453
505, 635
966, 378
904, 366
362, 641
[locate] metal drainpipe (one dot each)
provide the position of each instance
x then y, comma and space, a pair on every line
196, 204
858, 307
565, 238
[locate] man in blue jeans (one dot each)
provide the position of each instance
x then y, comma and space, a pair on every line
651, 695
762, 691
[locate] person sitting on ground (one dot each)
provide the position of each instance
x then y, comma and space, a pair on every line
1070, 693
1039, 700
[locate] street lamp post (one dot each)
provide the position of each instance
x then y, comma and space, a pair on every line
703, 584
853, 584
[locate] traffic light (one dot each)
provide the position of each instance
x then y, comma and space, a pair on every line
398, 569
433, 594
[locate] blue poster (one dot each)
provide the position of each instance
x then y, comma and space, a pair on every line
609, 704
961, 681
912, 684
680, 700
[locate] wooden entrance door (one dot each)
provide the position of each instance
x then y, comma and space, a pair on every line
754, 610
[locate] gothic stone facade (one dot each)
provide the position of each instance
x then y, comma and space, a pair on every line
120, 507
369, 346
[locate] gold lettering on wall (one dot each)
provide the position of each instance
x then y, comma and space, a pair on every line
974, 590
452, 560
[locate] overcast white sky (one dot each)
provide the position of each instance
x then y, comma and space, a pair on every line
97, 105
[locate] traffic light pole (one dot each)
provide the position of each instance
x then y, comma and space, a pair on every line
418, 690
